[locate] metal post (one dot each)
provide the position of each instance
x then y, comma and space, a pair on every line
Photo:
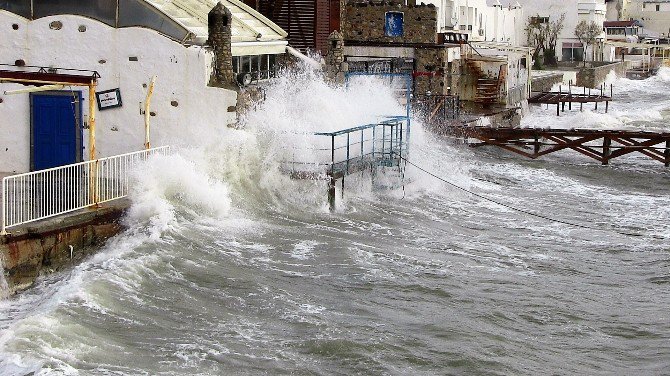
4, 206
558, 108
570, 95
348, 144
332, 152
667, 153
536, 145
331, 193
342, 193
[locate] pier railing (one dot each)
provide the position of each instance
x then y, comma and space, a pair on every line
352, 150
48, 193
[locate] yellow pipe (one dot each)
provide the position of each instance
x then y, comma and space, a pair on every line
147, 113
93, 189
91, 120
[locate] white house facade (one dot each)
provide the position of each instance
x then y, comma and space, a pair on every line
568, 46
120, 45
654, 15
481, 20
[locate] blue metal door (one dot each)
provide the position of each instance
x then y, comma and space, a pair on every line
54, 130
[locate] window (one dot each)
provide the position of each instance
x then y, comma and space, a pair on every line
130, 13
261, 67
20, 7
573, 52
394, 25
104, 11
139, 13
658, 7
539, 20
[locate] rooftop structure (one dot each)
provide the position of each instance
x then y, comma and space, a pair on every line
182, 20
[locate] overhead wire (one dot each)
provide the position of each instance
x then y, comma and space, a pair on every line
555, 220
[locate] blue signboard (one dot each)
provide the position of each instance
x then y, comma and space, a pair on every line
394, 26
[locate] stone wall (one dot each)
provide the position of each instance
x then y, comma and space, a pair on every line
593, 77
364, 22
49, 245
219, 27
429, 70
546, 82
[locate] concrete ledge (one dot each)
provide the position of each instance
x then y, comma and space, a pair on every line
44, 246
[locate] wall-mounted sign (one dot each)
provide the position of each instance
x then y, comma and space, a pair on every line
109, 99
394, 25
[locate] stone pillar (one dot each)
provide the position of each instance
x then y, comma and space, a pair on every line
219, 22
335, 65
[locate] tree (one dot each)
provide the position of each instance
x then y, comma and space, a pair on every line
542, 35
553, 31
587, 33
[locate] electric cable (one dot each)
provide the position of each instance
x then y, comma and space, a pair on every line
578, 225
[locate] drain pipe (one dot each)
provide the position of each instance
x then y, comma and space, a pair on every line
311, 62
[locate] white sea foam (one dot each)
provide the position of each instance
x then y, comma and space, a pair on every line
636, 105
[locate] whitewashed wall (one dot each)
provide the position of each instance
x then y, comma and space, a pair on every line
575, 11
656, 23
183, 74
496, 23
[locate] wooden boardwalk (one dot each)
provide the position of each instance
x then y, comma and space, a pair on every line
601, 145
560, 99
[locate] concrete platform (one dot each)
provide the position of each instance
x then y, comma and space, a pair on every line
44, 246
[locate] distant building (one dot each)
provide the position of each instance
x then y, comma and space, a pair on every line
654, 15
199, 51
403, 37
480, 21
569, 48
623, 31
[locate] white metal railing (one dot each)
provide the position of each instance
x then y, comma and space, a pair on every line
47, 193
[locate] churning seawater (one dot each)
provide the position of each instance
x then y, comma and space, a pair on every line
229, 267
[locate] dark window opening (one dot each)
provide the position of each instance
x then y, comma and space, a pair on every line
261, 67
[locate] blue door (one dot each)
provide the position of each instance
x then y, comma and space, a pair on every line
56, 136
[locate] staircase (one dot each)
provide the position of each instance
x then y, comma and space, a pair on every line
488, 88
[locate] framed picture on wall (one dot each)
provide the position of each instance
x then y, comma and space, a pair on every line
109, 99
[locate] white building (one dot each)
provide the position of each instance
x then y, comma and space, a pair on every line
653, 14
568, 46
481, 20
125, 43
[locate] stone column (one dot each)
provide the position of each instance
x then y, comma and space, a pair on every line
335, 65
219, 22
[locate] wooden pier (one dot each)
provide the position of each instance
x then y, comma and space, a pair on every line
601, 145
560, 98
